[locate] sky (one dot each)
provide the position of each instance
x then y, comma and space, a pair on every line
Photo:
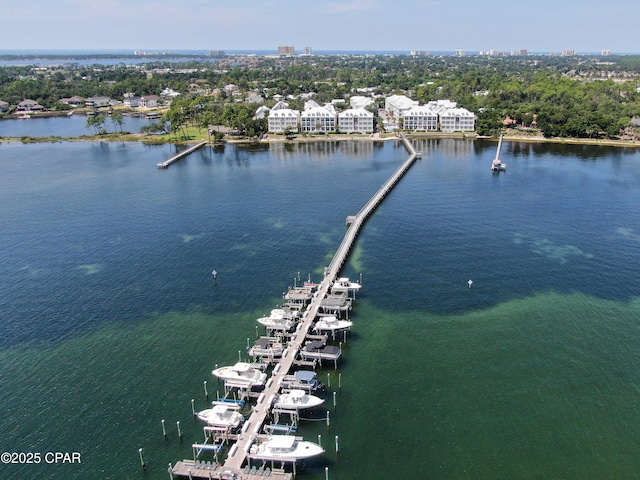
372, 25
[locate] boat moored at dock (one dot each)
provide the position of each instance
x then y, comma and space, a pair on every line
344, 285
280, 319
241, 373
331, 323
221, 416
266, 348
297, 400
302, 380
317, 350
286, 448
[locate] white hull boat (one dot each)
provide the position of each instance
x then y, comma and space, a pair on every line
241, 373
343, 284
331, 324
285, 448
221, 416
297, 400
279, 319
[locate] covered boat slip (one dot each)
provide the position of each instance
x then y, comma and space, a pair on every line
213, 471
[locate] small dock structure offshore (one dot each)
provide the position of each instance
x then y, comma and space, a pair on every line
497, 165
180, 155
254, 431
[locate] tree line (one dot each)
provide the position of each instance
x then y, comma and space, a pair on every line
581, 96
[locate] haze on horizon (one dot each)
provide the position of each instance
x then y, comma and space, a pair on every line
373, 25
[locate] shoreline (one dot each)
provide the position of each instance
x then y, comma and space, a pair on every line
275, 138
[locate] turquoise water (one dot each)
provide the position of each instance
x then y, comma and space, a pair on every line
113, 321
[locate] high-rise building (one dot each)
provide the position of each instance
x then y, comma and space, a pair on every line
286, 50
307, 51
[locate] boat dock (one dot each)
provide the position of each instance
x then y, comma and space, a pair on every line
180, 155
235, 466
497, 164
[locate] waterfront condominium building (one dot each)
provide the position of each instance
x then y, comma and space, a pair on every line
420, 118
457, 120
397, 104
281, 118
355, 120
315, 118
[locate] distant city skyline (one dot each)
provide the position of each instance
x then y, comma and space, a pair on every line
355, 25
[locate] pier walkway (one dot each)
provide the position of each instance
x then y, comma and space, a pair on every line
240, 451
180, 155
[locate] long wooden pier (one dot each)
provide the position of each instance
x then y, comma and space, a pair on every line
180, 155
240, 451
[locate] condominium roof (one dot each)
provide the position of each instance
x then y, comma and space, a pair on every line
355, 112
420, 111
283, 112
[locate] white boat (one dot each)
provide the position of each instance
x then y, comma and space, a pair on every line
241, 373
279, 319
343, 284
221, 416
331, 324
286, 448
297, 400
266, 347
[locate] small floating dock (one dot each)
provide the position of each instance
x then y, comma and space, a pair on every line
180, 155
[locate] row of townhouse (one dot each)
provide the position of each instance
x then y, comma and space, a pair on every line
316, 118
443, 115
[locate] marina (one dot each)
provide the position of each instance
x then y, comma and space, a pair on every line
248, 443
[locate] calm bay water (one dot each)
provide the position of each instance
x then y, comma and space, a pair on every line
66, 126
113, 321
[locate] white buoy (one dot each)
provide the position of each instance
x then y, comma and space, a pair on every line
470, 282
